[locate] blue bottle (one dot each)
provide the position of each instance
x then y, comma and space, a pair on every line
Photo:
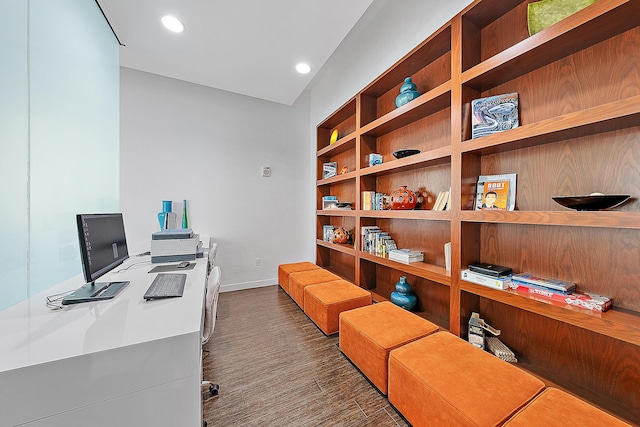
403, 297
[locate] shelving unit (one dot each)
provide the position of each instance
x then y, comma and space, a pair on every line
579, 94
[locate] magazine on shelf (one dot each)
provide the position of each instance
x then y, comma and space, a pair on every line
495, 196
494, 114
329, 169
487, 182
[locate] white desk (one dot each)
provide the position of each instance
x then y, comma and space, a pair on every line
121, 362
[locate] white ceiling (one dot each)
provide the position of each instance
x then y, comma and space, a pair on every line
250, 47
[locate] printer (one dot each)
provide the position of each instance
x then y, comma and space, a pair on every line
174, 245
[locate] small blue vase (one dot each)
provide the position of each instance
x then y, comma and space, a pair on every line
403, 297
408, 92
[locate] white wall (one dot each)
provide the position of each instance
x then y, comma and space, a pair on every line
184, 141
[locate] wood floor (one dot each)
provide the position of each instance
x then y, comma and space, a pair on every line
275, 368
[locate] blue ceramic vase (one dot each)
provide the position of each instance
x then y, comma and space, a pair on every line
408, 92
162, 216
403, 297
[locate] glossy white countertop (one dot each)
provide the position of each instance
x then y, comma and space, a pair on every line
32, 334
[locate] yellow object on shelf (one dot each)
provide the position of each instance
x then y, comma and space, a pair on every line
545, 13
334, 136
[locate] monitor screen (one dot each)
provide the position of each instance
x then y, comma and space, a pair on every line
103, 245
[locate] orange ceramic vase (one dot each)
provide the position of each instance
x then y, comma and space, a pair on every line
403, 198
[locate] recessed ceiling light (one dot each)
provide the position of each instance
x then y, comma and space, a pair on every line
172, 23
303, 68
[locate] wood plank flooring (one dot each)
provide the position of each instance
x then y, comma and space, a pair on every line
276, 368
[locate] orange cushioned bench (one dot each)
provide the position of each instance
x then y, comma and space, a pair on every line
284, 270
300, 280
368, 334
324, 302
442, 380
554, 407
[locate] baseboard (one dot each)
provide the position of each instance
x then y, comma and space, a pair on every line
248, 285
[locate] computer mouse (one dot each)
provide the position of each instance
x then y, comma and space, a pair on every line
183, 264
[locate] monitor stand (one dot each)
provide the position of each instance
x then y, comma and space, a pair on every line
94, 292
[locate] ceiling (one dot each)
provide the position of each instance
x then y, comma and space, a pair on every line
250, 47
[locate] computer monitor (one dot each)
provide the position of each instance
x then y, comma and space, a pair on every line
103, 244
103, 247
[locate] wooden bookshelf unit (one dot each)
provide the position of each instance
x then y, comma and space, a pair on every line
578, 84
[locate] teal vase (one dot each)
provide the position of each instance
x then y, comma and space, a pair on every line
185, 220
408, 92
403, 297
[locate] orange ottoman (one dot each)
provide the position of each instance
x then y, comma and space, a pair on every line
300, 280
368, 334
324, 302
284, 270
557, 408
442, 380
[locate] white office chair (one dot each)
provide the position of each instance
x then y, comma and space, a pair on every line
210, 309
211, 260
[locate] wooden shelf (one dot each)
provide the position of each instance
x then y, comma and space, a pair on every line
598, 22
429, 158
408, 214
335, 212
419, 269
619, 324
340, 146
338, 178
345, 249
603, 118
599, 219
426, 104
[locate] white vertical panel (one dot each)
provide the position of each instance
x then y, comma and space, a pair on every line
13, 152
74, 132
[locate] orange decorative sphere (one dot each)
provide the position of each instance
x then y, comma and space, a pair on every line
403, 198
340, 235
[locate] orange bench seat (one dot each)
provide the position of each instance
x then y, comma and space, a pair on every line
368, 334
324, 302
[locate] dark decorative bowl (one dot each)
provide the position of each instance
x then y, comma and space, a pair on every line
404, 153
594, 202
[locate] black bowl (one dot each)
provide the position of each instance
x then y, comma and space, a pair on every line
592, 202
404, 153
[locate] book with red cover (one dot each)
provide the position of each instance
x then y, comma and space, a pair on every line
579, 299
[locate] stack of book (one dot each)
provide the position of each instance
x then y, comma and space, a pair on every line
558, 292
375, 241
406, 256
372, 201
544, 289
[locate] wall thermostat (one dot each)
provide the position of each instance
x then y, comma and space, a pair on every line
266, 171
